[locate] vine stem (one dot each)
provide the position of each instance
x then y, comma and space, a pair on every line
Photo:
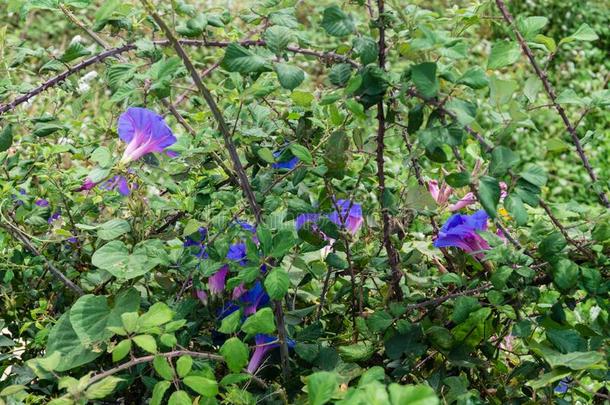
17, 233
550, 91
176, 353
393, 257
237, 166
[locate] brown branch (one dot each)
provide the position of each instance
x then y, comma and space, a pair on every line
176, 353
393, 257
27, 243
237, 166
129, 47
550, 91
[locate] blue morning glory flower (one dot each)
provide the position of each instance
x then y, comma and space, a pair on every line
145, 132
264, 343
42, 202
461, 231
286, 164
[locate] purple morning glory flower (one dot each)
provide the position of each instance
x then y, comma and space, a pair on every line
118, 183
87, 185
237, 252
264, 343
54, 217
254, 298
42, 202
216, 282
202, 296
303, 219
461, 231
352, 220
286, 164
145, 132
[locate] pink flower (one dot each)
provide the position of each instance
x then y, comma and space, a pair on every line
440, 195
465, 201
216, 283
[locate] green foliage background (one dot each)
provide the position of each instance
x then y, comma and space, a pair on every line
422, 327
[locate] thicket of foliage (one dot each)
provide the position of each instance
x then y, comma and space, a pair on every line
304, 202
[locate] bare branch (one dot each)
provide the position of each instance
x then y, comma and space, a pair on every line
550, 91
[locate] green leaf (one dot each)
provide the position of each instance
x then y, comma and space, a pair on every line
184, 365
380, 321
425, 80
360, 351
552, 245
158, 392
121, 350
503, 54
43, 129
102, 388
336, 154
241, 60
6, 137
516, 208
574, 360
565, 274
340, 73
260, 322
474, 78
158, 314
12, 390
489, 195
336, 22
235, 353
277, 283
277, 38
547, 379
63, 339
412, 395
534, 175
321, 387
366, 48
464, 111
202, 385
163, 368
502, 159
146, 342
301, 152
115, 258
459, 179
530, 26
230, 323
89, 318
74, 51
113, 229
266, 155
583, 33
290, 77
179, 398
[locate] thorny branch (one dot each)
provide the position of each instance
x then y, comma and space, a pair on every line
550, 91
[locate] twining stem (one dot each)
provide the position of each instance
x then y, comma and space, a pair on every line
393, 258
550, 91
237, 166
169, 355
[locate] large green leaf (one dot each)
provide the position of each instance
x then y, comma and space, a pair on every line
412, 395
321, 387
336, 22
277, 38
503, 53
260, 322
235, 353
239, 59
115, 258
63, 339
89, 318
277, 283
489, 194
289, 76
425, 80
113, 229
